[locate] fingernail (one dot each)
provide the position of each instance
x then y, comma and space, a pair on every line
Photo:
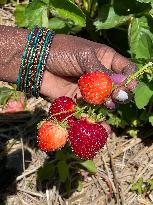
130, 68
109, 104
122, 96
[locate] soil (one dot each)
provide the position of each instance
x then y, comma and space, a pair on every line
121, 163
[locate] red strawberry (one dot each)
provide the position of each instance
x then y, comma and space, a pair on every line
63, 104
86, 138
95, 87
51, 136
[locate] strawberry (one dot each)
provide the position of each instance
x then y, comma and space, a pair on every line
86, 138
15, 104
95, 87
51, 136
62, 104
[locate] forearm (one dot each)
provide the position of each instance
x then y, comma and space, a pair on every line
12, 44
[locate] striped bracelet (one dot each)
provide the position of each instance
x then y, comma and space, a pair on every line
34, 59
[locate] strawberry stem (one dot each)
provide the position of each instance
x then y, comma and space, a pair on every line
138, 73
75, 113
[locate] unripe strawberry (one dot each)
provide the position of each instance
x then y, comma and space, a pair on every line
51, 136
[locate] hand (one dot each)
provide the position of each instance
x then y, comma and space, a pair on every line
72, 56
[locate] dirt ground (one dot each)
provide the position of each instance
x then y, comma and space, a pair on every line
122, 161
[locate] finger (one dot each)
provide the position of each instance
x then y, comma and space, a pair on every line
109, 104
121, 95
113, 60
89, 62
129, 69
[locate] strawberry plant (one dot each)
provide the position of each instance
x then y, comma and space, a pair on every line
124, 25
11, 100
67, 169
143, 187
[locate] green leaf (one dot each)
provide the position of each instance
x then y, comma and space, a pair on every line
56, 23
89, 165
116, 121
46, 172
125, 7
133, 132
138, 186
5, 94
20, 16
68, 10
60, 155
150, 182
141, 38
63, 170
45, 1
145, 1
151, 119
107, 18
3, 1
80, 186
35, 13
142, 95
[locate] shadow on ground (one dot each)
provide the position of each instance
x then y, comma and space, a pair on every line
14, 127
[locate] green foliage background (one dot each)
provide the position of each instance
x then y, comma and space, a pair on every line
125, 25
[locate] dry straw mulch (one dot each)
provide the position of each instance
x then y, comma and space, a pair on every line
122, 161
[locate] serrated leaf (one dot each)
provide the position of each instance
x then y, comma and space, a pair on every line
63, 170
20, 16
141, 38
89, 165
46, 172
151, 119
107, 18
35, 13
142, 95
68, 10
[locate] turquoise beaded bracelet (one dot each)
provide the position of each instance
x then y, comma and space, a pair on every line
34, 60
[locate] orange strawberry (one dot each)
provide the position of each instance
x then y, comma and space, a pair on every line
95, 87
51, 136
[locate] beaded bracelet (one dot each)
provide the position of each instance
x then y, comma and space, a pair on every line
34, 60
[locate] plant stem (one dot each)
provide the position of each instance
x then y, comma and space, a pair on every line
139, 72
